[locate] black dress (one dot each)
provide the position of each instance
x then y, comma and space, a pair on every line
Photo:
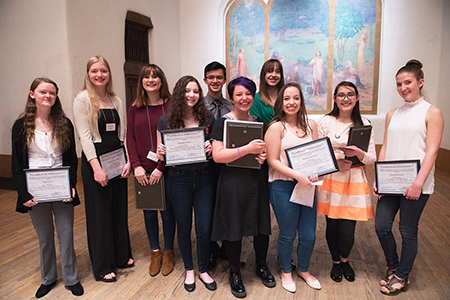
242, 200
106, 207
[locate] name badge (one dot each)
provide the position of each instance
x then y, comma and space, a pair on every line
110, 126
152, 156
45, 162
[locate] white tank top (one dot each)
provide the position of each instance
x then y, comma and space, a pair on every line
289, 140
407, 136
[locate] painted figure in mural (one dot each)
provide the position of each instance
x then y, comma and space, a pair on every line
419, 125
44, 137
293, 76
241, 63
361, 43
275, 55
100, 120
317, 73
349, 73
291, 127
352, 202
270, 83
151, 102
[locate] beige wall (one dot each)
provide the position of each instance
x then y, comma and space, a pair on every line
55, 38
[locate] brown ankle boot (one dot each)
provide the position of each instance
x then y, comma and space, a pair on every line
168, 262
155, 263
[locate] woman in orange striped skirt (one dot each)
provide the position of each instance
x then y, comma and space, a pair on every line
344, 197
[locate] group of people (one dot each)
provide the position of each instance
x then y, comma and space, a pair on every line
228, 203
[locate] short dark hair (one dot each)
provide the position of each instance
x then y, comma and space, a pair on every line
215, 65
245, 82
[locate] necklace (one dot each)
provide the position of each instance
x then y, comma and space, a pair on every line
103, 98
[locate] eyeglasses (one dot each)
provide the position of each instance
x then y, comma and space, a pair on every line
342, 96
211, 77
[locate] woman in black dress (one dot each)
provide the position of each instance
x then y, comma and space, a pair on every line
242, 203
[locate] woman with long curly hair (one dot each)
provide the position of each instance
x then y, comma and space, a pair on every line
151, 103
191, 185
100, 121
43, 137
291, 127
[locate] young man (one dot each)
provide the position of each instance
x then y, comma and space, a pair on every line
215, 78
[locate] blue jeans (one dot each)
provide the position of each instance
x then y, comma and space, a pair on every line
193, 188
168, 222
292, 217
410, 212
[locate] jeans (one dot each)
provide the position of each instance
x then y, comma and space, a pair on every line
292, 217
168, 222
410, 212
193, 188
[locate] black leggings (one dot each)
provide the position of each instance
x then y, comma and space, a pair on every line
260, 244
340, 237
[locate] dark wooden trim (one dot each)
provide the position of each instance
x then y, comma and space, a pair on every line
139, 19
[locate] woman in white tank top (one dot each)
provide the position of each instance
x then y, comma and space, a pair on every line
412, 131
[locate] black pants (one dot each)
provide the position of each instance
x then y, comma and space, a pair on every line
340, 235
260, 245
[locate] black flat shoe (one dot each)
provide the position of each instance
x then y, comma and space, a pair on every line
189, 287
263, 272
210, 286
349, 274
44, 289
76, 289
126, 266
336, 273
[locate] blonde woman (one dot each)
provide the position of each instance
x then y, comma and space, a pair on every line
100, 121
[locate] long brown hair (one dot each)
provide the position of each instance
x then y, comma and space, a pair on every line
93, 114
61, 132
164, 93
178, 106
268, 67
356, 114
280, 115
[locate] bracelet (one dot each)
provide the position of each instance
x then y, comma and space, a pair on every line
239, 153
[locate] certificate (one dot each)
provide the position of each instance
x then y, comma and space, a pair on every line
184, 146
113, 162
47, 185
395, 177
315, 157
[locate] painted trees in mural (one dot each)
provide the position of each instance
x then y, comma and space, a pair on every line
298, 31
354, 35
246, 35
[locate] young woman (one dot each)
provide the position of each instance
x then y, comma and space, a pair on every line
242, 204
291, 127
344, 197
412, 131
271, 81
100, 121
43, 137
143, 116
192, 185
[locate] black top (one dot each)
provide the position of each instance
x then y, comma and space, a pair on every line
20, 162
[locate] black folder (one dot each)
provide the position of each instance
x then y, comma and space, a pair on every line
240, 133
359, 137
150, 197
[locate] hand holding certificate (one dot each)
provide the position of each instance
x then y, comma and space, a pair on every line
395, 177
315, 157
48, 185
184, 146
113, 162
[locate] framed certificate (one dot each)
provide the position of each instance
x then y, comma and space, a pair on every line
184, 146
315, 157
240, 133
113, 162
150, 197
394, 177
47, 185
359, 137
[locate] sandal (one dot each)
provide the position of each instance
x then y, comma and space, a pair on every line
387, 277
391, 290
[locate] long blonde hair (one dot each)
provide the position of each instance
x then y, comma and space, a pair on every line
93, 114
